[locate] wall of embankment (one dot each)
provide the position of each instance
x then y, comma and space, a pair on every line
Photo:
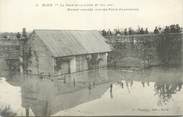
146, 50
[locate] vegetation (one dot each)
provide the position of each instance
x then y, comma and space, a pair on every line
174, 28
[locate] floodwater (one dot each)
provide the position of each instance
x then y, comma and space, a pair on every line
154, 91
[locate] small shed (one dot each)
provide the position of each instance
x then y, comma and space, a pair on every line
66, 51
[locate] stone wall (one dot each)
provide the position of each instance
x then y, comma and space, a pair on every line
145, 50
9, 53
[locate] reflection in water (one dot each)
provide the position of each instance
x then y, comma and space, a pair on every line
47, 97
131, 83
46, 102
165, 89
143, 83
121, 84
111, 95
148, 83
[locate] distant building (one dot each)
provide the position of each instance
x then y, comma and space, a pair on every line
66, 51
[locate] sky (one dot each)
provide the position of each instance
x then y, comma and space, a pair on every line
16, 14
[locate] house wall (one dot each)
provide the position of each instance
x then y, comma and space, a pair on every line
78, 63
103, 59
41, 60
97, 60
81, 63
73, 64
70, 64
62, 65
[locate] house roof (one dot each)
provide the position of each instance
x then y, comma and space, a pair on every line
73, 42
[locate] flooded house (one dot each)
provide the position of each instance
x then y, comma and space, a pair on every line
66, 51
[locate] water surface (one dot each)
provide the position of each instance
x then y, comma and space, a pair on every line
154, 91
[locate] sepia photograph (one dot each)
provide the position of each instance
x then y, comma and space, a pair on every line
91, 58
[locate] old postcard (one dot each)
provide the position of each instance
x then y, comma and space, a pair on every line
91, 58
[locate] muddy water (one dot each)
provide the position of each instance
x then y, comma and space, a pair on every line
156, 91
